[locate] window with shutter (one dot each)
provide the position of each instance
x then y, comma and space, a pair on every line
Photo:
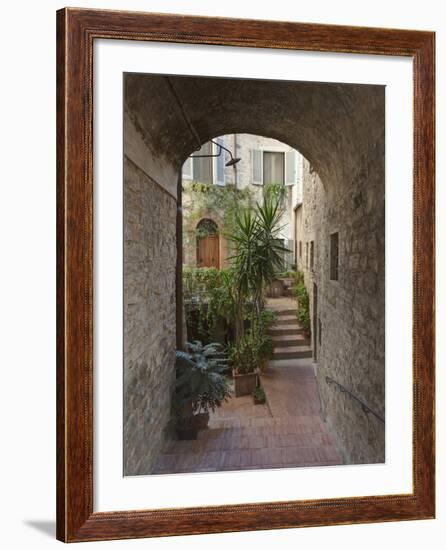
257, 166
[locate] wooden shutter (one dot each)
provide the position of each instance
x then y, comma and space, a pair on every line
202, 166
257, 166
219, 168
187, 169
290, 167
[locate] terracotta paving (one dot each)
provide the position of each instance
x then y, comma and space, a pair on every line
286, 432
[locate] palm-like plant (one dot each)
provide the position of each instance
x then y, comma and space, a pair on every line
270, 253
244, 240
258, 255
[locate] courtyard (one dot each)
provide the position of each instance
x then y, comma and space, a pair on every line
286, 431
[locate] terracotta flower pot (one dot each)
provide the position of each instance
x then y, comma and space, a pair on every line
275, 289
201, 420
186, 433
244, 384
186, 428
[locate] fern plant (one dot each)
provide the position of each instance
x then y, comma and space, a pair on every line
201, 376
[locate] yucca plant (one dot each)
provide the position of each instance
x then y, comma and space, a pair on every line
258, 255
244, 241
270, 251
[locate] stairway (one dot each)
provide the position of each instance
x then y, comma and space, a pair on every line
287, 432
289, 339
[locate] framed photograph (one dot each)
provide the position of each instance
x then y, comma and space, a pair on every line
245, 275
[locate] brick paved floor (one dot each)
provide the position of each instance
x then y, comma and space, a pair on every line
288, 432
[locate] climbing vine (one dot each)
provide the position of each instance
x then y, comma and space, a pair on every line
202, 200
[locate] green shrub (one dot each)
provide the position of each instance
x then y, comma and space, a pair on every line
303, 306
259, 394
298, 278
268, 318
253, 351
290, 274
208, 298
199, 281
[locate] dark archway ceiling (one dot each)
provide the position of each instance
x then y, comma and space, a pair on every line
332, 125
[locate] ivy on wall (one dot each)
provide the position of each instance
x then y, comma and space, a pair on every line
202, 200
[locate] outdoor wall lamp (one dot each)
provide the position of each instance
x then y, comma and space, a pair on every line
233, 160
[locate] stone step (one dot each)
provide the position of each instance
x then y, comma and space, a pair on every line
284, 330
292, 352
299, 363
286, 320
290, 341
288, 311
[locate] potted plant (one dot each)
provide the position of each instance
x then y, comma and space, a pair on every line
244, 361
186, 428
275, 288
259, 396
244, 382
257, 256
250, 359
182, 419
201, 379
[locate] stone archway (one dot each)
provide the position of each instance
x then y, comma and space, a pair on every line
333, 125
339, 128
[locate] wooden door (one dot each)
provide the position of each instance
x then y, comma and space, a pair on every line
208, 254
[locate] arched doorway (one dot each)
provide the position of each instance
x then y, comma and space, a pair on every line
208, 244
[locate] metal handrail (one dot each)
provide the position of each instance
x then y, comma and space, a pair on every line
365, 408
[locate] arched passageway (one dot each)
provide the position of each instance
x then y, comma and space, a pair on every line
333, 125
339, 128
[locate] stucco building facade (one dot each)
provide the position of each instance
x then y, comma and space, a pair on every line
263, 161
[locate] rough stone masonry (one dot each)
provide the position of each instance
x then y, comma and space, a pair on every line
149, 313
348, 317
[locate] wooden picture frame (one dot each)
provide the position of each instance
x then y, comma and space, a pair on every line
76, 31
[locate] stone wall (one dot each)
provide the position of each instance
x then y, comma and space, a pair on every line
149, 316
350, 310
